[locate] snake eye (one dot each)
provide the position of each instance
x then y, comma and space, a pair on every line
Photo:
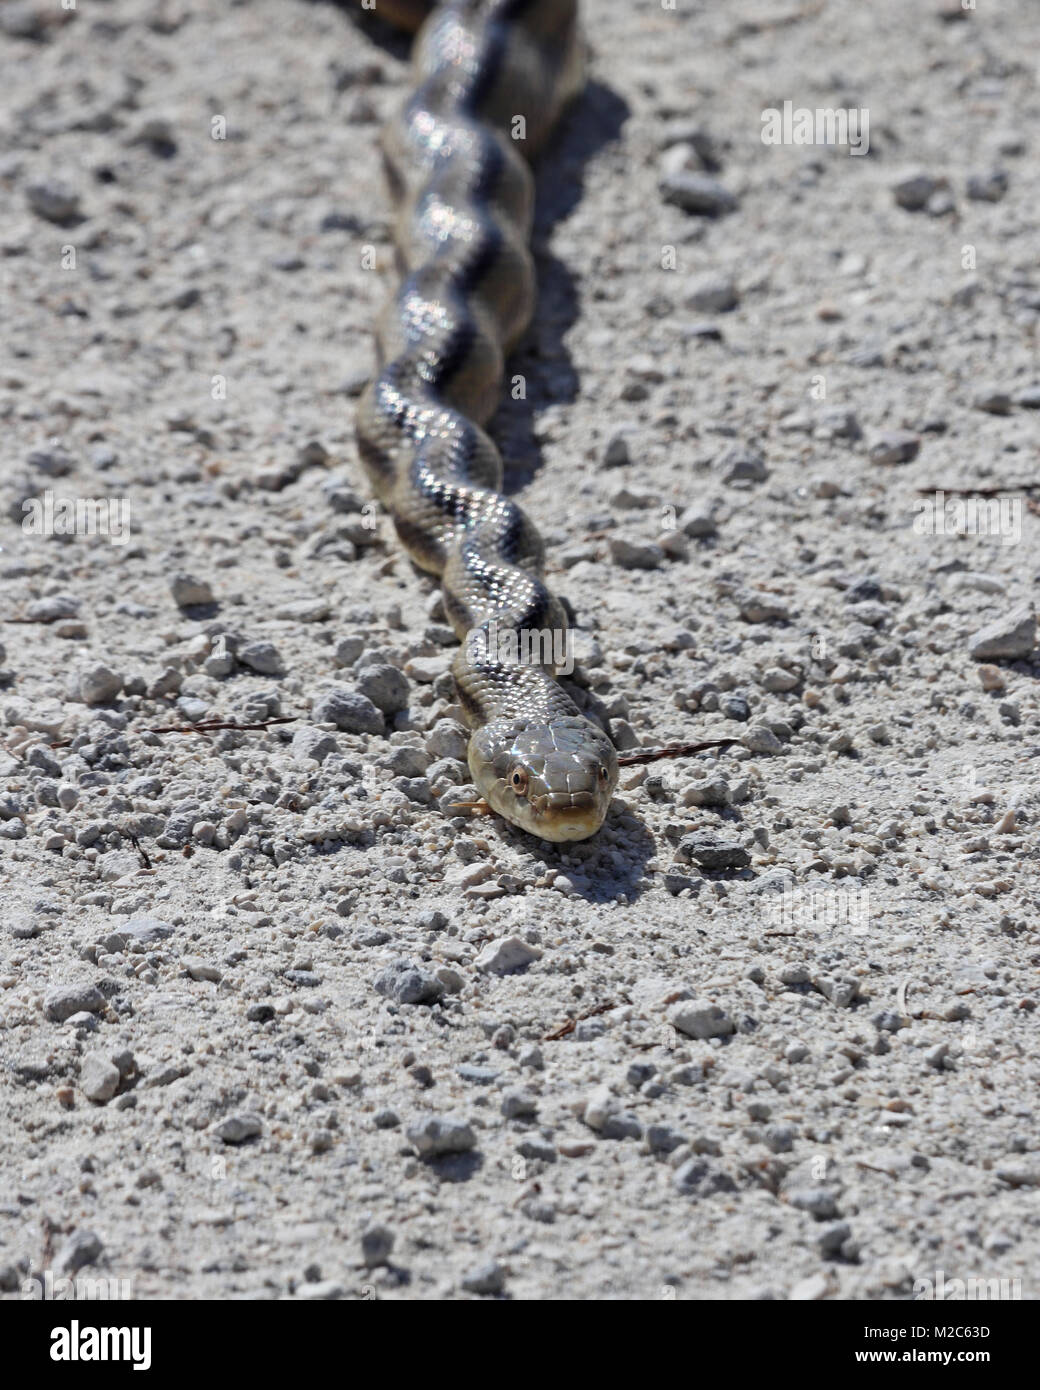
518, 780
603, 774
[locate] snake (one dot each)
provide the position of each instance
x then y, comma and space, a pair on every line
490, 81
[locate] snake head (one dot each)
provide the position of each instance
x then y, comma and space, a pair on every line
554, 780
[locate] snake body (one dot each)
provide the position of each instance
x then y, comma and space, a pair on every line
491, 78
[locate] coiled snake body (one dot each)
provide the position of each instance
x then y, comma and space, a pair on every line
486, 72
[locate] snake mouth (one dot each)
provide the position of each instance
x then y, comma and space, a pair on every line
567, 815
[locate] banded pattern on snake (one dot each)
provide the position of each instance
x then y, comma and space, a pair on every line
484, 71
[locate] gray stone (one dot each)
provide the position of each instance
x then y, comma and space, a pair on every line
759, 607
348, 649
761, 739
1010, 638
262, 657
507, 954
188, 590
662, 1139
489, 1278
913, 191
780, 1138
697, 193
321, 1291
315, 744
831, 1238
863, 589
200, 969
635, 555
54, 200
98, 1077
819, 1202
385, 686
699, 1018
407, 761
713, 294
22, 19
98, 685
83, 1022
698, 520
441, 1134
617, 454
81, 1249
621, 1125
599, 1106
448, 739
1023, 1173
838, 422
518, 1103
53, 608
988, 187
478, 1076
895, 446
350, 711
742, 464
377, 1243
703, 1177
841, 993
407, 983
776, 680
149, 931
993, 400
714, 792
236, 1129
794, 974
61, 1002
705, 849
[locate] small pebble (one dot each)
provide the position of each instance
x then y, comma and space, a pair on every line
699, 1018
98, 1077
189, 590
1009, 638
441, 1134
507, 954
236, 1129
697, 193
377, 1242
489, 1278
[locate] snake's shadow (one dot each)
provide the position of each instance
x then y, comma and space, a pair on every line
541, 357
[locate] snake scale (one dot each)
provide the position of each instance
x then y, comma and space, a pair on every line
491, 78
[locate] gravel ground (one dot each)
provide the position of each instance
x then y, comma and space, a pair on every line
272, 1022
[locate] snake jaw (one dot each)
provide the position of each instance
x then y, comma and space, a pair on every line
569, 815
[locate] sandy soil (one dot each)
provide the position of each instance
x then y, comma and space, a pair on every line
772, 1033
